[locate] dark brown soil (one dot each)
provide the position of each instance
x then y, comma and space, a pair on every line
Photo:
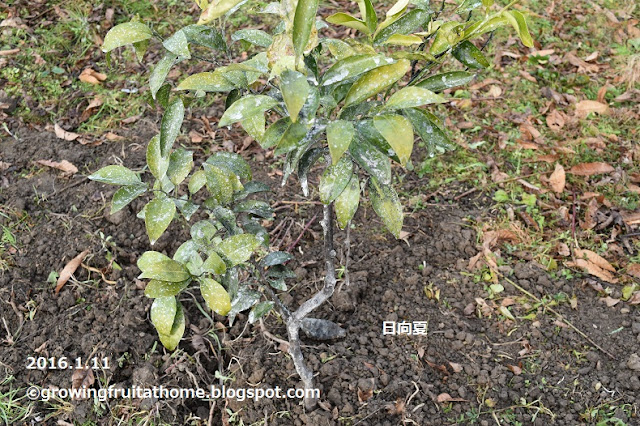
519, 372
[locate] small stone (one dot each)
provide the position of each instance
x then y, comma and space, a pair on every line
634, 362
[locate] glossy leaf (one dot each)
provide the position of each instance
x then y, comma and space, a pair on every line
368, 14
116, 175
160, 72
347, 202
413, 96
218, 183
246, 107
368, 132
349, 21
163, 313
245, 299
186, 251
339, 48
170, 126
178, 45
307, 160
255, 126
447, 35
238, 248
397, 130
232, 162
520, 24
447, 80
126, 33
125, 195
339, 136
303, 22
403, 40
157, 288
407, 24
180, 164
254, 207
203, 232
158, 215
214, 264
373, 161
387, 206
468, 5
158, 164
376, 81
295, 90
260, 310
397, 8
215, 296
335, 179
186, 207
207, 82
285, 135
483, 26
205, 36
353, 66
140, 48
157, 266
470, 55
171, 340
425, 125
257, 37
216, 9
276, 258
197, 181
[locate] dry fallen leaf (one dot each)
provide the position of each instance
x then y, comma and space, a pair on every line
69, 269
445, 397
610, 301
82, 378
90, 76
585, 107
90, 109
557, 179
593, 269
631, 218
590, 220
64, 165
594, 258
63, 134
588, 169
634, 270
555, 120
455, 367
363, 396
112, 136
515, 369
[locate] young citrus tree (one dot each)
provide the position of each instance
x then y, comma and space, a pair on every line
354, 105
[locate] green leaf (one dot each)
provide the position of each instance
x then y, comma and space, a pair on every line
157, 266
178, 45
520, 24
207, 82
483, 26
170, 126
157, 288
403, 40
160, 72
447, 35
397, 130
468, 5
158, 164
203, 232
255, 126
260, 310
254, 207
246, 107
159, 213
205, 36
295, 90
140, 48
338, 48
347, 202
334, 179
163, 313
116, 175
214, 264
353, 66
276, 258
447, 80
373, 161
339, 136
232, 162
470, 55
171, 340
180, 164
424, 123
186, 207
125, 195
284, 134
387, 206
397, 8
349, 21
123, 34
215, 296
218, 183
307, 160
197, 181
186, 251
245, 299
413, 96
368, 132
303, 22
376, 81
238, 248
368, 14
407, 24
216, 9
257, 37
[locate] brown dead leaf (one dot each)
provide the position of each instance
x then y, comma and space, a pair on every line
563, 250
555, 120
131, 119
632, 218
63, 134
455, 367
69, 269
91, 108
634, 270
494, 91
113, 137
516, 370
557, 179
594, 258
635, 299
610, 301
590, 219
583, 66
445, 397
82, 379
527, 76
90, 76
195, 136
585, 107
9, 52
589, 169
398, 408
363, 396
593, 269
64, 165
4, 166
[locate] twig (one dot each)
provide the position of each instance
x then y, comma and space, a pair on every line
559, 315
293, 245
270, 336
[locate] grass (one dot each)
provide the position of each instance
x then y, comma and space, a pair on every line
14, 407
